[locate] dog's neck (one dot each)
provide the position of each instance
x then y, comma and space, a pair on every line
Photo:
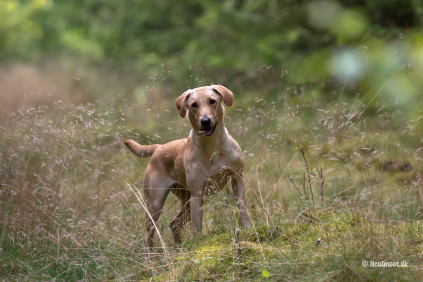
210, 145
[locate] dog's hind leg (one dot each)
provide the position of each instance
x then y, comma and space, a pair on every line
156, 190
184, 215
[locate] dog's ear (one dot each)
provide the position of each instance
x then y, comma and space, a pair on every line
227, 95
180, 103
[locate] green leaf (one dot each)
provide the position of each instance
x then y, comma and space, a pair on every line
179, 258
265, 273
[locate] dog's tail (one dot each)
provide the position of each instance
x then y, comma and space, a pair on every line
140, 150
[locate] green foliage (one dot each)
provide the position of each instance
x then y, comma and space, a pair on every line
265, 273
18, 28
363, 42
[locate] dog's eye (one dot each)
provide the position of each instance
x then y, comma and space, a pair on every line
194, 105
212, 101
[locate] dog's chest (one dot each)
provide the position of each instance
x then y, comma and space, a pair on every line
219, 168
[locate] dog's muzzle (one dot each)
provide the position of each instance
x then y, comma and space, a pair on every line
209, 131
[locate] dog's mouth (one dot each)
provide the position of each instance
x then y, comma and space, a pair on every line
209, 131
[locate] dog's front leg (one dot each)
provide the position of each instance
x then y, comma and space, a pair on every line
239, 193
196, 203
195, 179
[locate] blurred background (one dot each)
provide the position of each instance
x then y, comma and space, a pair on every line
100, 48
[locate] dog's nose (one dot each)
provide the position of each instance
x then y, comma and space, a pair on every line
206, 121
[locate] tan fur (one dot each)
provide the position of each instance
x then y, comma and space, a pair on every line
196, 166
140, 150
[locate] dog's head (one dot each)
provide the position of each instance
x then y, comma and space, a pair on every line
204, 105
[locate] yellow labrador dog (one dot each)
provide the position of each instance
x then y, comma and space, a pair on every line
196, 166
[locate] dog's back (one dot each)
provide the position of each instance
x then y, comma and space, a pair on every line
168, 158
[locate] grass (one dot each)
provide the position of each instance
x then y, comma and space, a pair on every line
69, 208
288, 250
